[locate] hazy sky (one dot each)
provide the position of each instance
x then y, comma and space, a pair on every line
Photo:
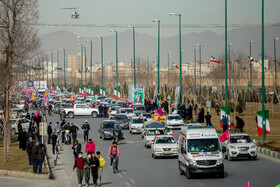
195, 13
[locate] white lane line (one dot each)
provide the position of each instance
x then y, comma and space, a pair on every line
128, 184
200, 184
120, 175
132, 181
123, 172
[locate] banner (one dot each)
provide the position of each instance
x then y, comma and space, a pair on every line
117, 93
260, 126
102, 92
138, 96
223, 113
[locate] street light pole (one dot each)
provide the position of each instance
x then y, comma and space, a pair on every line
168, 64
226, 83
52, 68
101, 43
39, 73
85, 51
251, 84
263, 86
200, 61
57, 55
180, 52
47, 58
275, 65
229, 66
134, 58
195, 49
158, 64
117, 66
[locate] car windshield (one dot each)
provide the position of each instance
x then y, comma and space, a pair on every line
153, 132
174, 117
147, 115
127, 111
138, 120
139, 108
240, 139
203, 145
108, 125
161, 140
120, 117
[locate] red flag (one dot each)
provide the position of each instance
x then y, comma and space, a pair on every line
25, 103
158, 118
214, 60
131, 106
247, 184
224, 136
127, 101
37, 113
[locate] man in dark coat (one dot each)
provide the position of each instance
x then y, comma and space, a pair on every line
94, 168
49, 131
208, 119
190, 112
54, 139
77, 147
29, 146
74, 129
35, 157
239, 124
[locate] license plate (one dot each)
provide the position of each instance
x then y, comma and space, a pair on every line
167, 152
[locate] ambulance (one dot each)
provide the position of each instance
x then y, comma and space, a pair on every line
199, 151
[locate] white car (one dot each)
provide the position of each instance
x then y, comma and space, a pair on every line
148, 116
240, 145
81, 110
150, 136
174, 121
136, 125
24, 123
128, 112
164, 145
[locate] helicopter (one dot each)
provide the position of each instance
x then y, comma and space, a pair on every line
75, 14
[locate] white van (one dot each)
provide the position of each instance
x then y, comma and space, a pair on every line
199, 151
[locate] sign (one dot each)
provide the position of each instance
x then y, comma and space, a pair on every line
208, 104
138, 96
43, 128
249, 84
177, 94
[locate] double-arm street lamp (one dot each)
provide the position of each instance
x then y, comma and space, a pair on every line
158, 55
250, 83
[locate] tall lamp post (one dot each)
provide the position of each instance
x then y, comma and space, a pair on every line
64, 67
90, 70
180, 52
200, 86
82, 56
52, 69
229, 66
250, 83
169, 53
275, 65
117, 84
39, 72
134, 58
195, 50
47, 58
57, 55
158, 55
226, 82
263, 86
101, 46
85, 54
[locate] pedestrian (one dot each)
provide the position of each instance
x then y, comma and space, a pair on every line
105, 110
100, 167
41, 156
208, 119
88, 163
90, 147
79, 165
35, 157
22, 139
49, 131
86, 129
239, 124
77, 147
195, 109
114, 152
201, 115
94, 168
109, 112
29, 146
74, 129
63, 125
217, 107
224, 123
190, 112
54, 141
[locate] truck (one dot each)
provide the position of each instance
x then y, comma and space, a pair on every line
81, 110
200, 151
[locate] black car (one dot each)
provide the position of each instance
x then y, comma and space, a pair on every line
139, 109
122, 119
110, 129
122, 104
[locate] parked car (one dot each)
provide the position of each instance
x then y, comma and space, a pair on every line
164, 145
148, 116
122, 104
128, 112
81, 110
240, 145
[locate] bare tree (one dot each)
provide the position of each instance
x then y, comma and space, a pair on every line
19, 42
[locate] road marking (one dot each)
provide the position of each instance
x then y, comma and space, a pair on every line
200, 184
120, 175
128, 184
132, 181
232, 165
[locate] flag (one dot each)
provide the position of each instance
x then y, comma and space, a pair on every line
88, 69
140, 115
158, 118
214, 60
80, 71
260, 126
32, 98
247, 184
224, 136
37, 113
169, 132
25, 103
175, 65
98, 68
114, 67
131, 65
154, 63
157, 132
251, 59
127, 101
46, 93
131, 106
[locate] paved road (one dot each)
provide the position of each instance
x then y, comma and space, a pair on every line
138, 168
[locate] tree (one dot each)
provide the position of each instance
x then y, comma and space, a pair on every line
19, 42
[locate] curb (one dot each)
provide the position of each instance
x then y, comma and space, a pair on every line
23, 174
268, 152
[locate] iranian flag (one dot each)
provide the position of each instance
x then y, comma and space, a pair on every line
175, 65
140, 116
260, 126
169, 132
102, 92
117, 93
114, 67
157, 132
154, 63
251, 59
87, 69
131, 65
98, 68
213, 59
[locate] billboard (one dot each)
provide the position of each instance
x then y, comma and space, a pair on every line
138, 96
40, 84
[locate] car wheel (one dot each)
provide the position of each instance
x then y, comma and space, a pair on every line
145, 145
221, 174
255, 158
180, 169
94, 114
71, 114
153, 155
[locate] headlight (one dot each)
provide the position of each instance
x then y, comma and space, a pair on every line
253, 147
157, 149
220, 161
192, 162
107, 132
232, 147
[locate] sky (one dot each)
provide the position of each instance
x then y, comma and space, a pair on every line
104, 14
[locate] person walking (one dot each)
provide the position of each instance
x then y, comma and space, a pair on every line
79, 165
41, 156
239, 124
195, 109
88, 163
114, 152
77, 147
100, 167
224, 123
94, 168
86, 129
29, 146
208, 119
90, 147
74, 129
54, 141
49, 131
35, 157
